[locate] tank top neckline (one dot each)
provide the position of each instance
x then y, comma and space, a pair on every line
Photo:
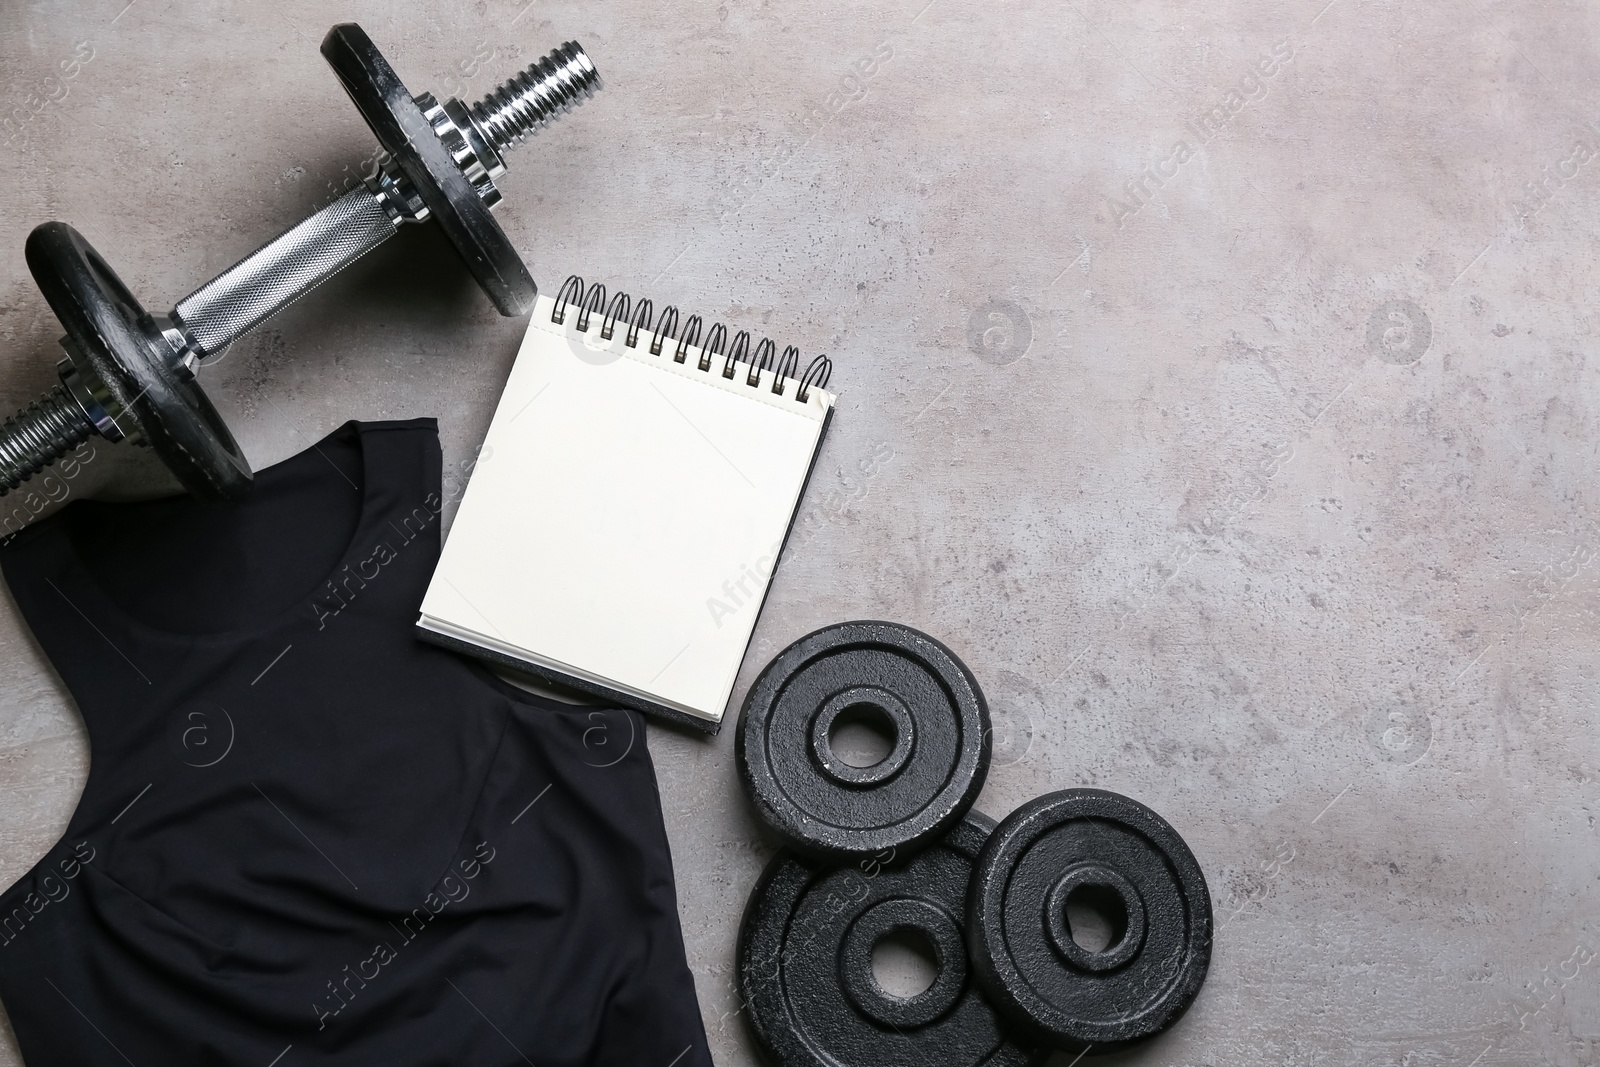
368, 517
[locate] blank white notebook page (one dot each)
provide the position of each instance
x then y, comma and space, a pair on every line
625, 513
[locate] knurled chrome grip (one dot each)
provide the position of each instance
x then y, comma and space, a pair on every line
285, 269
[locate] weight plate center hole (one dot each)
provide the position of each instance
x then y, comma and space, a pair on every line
1096, 917
862, 737
905, 963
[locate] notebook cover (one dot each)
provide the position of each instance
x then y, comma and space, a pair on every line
605, 693
458, 637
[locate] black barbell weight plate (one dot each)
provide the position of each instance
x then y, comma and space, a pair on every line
405, 133
1133, 867
915, 689
805, 963
109, 330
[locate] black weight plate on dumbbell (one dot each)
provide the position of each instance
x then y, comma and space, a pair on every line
916, 688
405, 134
805, 963
1021, 942
122, 346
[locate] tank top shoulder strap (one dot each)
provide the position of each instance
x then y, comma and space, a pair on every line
404, 463
393, 559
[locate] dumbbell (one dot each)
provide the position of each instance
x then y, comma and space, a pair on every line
130, 375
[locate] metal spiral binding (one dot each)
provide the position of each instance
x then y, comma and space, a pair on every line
716, 344
591, 300
690, 339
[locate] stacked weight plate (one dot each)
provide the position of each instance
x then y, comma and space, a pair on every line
892, 677
1115, 856
805, 963
894, 849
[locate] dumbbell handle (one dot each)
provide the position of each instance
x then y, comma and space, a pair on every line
283, 270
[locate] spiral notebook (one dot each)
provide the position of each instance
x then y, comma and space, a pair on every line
629, 505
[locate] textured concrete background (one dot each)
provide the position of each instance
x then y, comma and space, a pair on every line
1240, 427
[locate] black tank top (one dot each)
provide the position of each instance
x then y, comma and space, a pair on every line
308, 837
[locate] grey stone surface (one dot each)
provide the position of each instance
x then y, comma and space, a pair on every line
1254, 477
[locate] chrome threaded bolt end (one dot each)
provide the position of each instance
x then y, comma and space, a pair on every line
529, 100
40, 434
